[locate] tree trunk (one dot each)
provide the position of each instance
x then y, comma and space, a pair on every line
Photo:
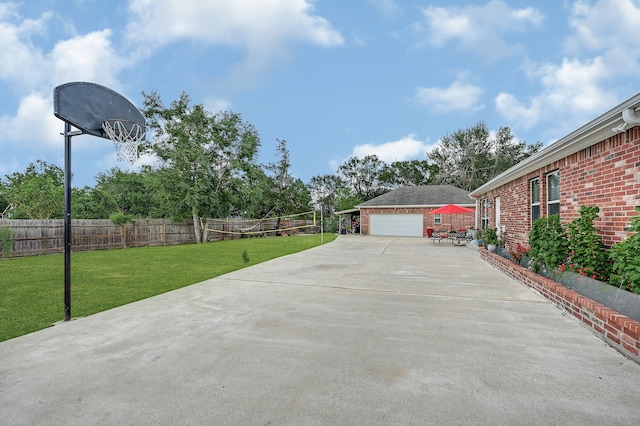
197, 229
205, 233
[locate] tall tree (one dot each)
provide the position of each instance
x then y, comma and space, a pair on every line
251, 195
408, 173
89, 203
203, 154
288, 194
38, 193
125, 191
324, 191
362, 176
470, 157
4, 200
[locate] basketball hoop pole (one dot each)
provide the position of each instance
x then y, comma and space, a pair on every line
88, 107
67, 221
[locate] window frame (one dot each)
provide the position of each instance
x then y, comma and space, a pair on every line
553, 203
484, 214
533, 204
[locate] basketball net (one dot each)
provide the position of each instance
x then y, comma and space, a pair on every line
126, 136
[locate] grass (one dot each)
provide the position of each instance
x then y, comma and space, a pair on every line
32, 288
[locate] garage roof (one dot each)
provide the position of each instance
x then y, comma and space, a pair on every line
421, 196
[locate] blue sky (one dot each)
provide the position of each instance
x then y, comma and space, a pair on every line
334, 78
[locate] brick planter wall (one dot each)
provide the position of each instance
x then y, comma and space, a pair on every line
620, 331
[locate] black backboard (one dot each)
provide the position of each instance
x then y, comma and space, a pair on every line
87, 105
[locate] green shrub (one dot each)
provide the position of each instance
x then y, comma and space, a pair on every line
625, 271
120, 218
490, 236
7, 238
548, 242
587, 252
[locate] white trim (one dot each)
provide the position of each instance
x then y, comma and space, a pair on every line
417, 206
591, 133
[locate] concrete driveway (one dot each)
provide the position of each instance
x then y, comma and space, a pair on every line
362, 331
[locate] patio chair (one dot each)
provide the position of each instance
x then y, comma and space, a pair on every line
458, 238
439, 236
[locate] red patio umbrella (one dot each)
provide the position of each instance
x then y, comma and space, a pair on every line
451, 209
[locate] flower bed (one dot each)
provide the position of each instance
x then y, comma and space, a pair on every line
620, 331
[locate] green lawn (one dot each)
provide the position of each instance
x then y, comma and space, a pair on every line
32, 288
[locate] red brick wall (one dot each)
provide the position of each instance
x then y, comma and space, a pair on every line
620, 331
458, 221
606, 174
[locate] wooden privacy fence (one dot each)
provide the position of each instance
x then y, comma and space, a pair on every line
34, 237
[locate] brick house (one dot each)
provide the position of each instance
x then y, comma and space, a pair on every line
597, 164
405, 211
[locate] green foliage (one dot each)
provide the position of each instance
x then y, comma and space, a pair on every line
587, 252
285, 194
7, 237
38, 193
468, 158
362, 176
324, 191
407, 173
345, 200
31, 288
490, 236
119, 218
127, 191
245, 256
626, 259
548, 242
204, 156
4, 200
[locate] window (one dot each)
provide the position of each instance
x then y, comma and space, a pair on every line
485, 214
534, 191
553, 194
437, 219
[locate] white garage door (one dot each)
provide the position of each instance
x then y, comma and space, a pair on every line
400, 225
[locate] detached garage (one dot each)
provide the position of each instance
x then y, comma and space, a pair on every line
404, 212
401, 225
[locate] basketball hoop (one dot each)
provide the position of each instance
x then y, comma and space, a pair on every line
126, 136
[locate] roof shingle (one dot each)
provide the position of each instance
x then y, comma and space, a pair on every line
429, 195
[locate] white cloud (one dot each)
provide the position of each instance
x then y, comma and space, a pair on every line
89, 57
34, 123
385, 7
576, 89
264, 31
27, 67
32, 73
404, 149
604, 25
217, 104
246, 24
457, 97
21, 63
478, 29
572, 92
